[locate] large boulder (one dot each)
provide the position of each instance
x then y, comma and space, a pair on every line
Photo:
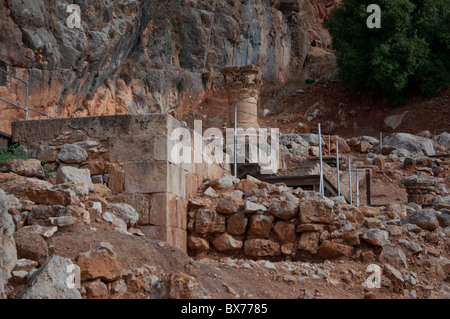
208, 221
229, 205
31, 246
316, 210
261, 225
424, 220
17, 185
226, 242
125, 212
376, 237
101, 262
79, 179
51, 281
56, 195
418, 146
394, 255
261, 248
237, 224
284, 209
8, 253
309, 241
28, 168
294, 147
197, 244
72, 154
443, 139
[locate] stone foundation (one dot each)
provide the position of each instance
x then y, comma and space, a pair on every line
131, 155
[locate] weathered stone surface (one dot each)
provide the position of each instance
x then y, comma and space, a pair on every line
380, 162
285, 232
40, 214
125, 212
119, 287
63, 221
8, 253
144, 204
43, 231
119, 224
47, 153
394, 121
31, 246
96, 290
443, 267
284, 209
309, 241
17, 185
72, 154
410, 248
211, 192
315, 210
348, 233
246, 185
229, 205
80, 214
443, 218
148, 177
225, 242
394, 256
28, 168
261, 248
376, 237
352, 214
260, 225
26, 265
116, 181
329, 250
101, 262
424, 220
310, 228
393, 274
251, 207
178, 286
50, 281
294, 148
197, 244
223, 183
208, 221
79, 179
418, 146
237, 224
56, 195
444, 140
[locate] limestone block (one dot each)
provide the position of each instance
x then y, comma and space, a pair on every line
147, 177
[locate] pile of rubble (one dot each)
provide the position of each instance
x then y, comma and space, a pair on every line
34, 210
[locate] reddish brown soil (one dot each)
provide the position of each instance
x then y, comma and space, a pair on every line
367, 114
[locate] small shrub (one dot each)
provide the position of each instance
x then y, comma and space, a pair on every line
16, 151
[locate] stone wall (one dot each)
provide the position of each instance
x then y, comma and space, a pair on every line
259, 220
130, 155
4, 140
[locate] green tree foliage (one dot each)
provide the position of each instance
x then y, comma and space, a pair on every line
409, 53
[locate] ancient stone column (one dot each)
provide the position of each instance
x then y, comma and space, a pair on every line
420, 190
243, 85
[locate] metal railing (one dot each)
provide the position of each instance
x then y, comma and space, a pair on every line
26, 108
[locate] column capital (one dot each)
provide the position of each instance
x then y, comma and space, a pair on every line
242, 82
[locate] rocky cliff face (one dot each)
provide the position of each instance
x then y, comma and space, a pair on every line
128, 57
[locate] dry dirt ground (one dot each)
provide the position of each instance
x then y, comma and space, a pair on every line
365, 115
228, 278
